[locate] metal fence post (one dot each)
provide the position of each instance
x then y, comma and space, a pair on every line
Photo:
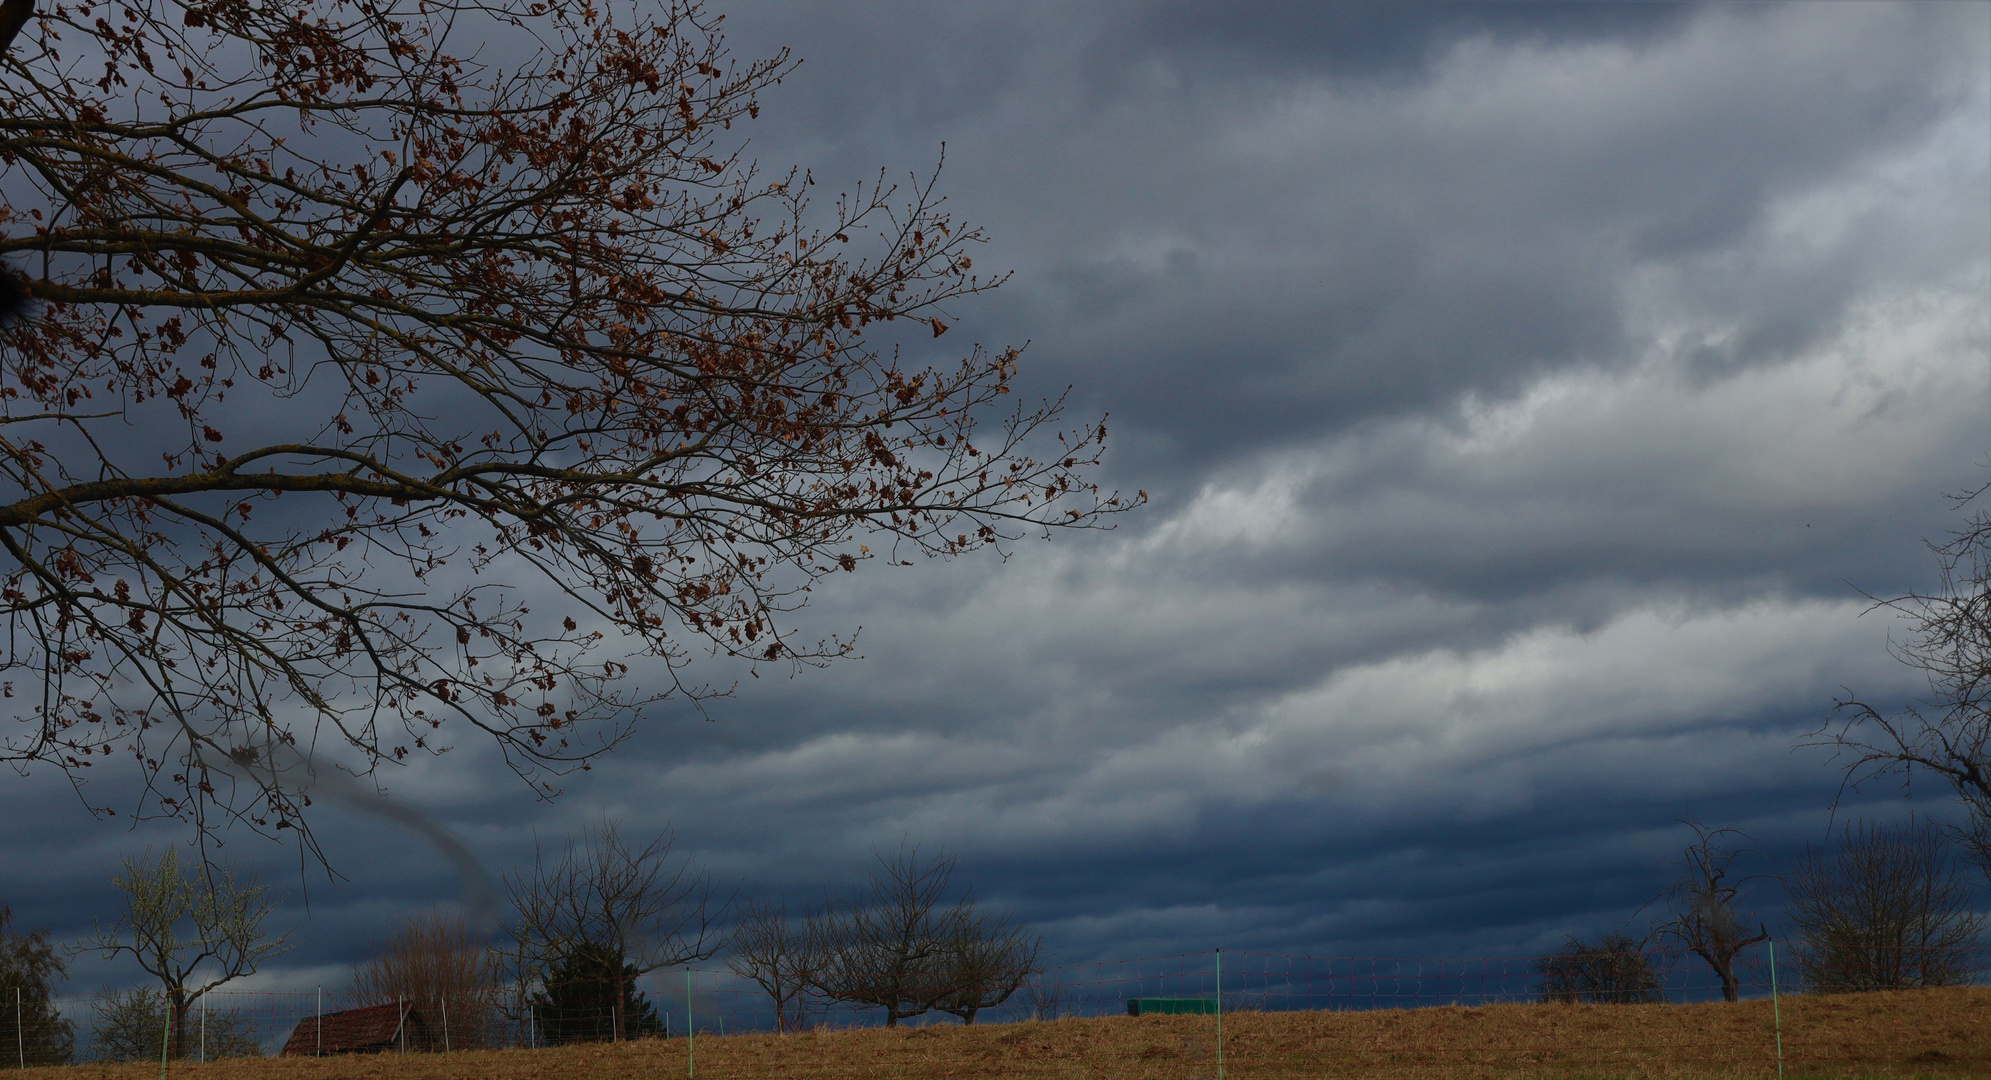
319, 1050
445, 1025
1776, 1009
690, 1047
203, 1029
1220, 1014
20, 1043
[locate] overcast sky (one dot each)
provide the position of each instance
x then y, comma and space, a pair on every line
1527, 393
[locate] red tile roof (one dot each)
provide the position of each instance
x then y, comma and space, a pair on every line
367, 1030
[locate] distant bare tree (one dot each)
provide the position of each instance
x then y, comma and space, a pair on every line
1703, 904
1043, 1000
1948, 734
903, 947
642, 907
883, 946
780, 955
1888, 909
989, 958
434, 961
1614, 971
192, 931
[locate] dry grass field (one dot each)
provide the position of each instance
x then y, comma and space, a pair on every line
1929, 1033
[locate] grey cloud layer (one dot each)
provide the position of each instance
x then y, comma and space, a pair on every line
1525, 391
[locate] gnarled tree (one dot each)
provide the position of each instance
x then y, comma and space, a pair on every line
1703, 904
403, 368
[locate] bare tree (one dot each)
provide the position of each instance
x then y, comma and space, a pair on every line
433, 961
780, 954
884, 945
632, 908
1044, 1001
1948, 733
1889, 908
346, 337
1614, 971
1703, 904
900, 945
192, 930
989, 958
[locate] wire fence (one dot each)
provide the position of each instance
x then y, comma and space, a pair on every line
1251, 989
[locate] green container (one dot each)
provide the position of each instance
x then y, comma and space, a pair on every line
1171, 1006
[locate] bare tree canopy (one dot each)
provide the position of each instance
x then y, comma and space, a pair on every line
778, 953
359, 320
627, 908
902, 946
1887, 909
1702, 901
1948, 734
989, 958
433, 961
1614, 971
191, 929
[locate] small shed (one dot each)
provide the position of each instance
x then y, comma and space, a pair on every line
373, 1029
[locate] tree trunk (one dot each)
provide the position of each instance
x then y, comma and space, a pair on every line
176, 1046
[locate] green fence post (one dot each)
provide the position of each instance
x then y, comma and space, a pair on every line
690, 1047
1220, 1014
165, 1037
1776, 1009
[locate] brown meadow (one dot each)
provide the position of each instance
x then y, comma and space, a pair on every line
1925, 1033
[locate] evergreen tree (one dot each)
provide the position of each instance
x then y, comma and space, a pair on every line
585, 993
31, 1031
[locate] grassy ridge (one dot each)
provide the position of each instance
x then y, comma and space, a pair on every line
1926, 1033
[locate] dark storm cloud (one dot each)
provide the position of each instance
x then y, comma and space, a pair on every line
1524, 389
1348, 249
1379, 40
